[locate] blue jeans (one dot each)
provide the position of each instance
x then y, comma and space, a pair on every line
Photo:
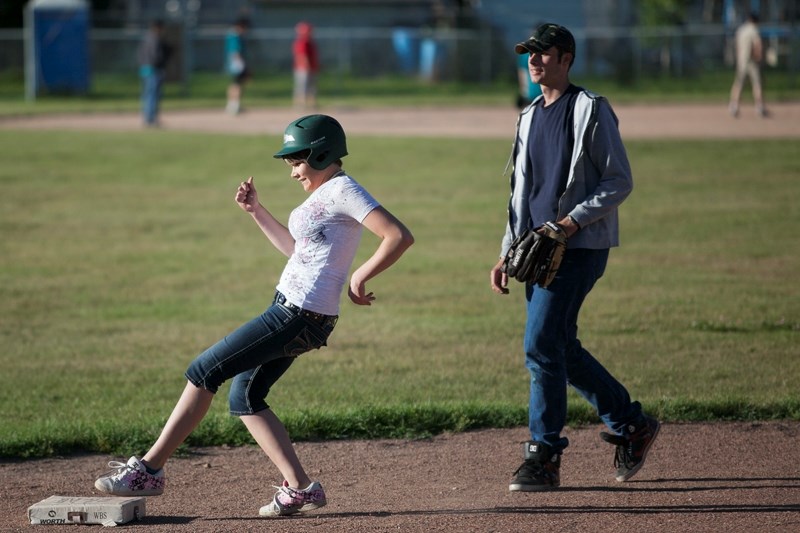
555, 357
258, 353
152, 80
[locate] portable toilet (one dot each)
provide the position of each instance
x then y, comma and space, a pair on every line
56, 47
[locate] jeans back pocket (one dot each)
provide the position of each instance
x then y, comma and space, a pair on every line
312, 337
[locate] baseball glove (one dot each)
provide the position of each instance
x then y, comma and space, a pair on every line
535, 255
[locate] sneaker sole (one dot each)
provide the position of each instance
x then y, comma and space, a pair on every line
514, 487
312, 506
639, 466
99, 486
303, 509
272, 514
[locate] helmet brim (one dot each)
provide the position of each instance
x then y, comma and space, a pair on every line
287, 150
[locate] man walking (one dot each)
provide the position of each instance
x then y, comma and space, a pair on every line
749, 53
153, 54
569, 167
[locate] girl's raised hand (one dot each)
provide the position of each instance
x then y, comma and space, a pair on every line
246, 195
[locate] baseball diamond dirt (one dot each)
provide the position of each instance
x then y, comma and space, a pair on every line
725, 477
720, 477
636, 121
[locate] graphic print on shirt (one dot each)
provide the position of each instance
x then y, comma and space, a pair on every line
310, 230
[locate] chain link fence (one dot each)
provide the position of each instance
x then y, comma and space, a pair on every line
479, 56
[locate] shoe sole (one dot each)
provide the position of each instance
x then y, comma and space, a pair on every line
307, 507
639, 466
313, 506
99, 486
531, 488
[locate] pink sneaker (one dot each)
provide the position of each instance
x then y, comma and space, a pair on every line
288, 501
131, 479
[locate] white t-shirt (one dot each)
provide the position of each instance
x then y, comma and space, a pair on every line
326, 228
747, 38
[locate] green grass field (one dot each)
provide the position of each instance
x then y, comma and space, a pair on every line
124, 255
119, 92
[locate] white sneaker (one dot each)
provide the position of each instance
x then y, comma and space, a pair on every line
233, 108
288, 501
131, 479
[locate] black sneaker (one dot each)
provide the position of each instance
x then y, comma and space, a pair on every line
539, 471
632, 450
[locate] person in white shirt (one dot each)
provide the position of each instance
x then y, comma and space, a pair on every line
320, 241
749, 54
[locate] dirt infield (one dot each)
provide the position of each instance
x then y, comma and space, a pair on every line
727, 477
701, 121
724, 477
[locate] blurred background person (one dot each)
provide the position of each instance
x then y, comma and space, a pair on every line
528, 89
236, 64
749, 54
306, 67
152, 56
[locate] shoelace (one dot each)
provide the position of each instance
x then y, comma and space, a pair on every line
623, 455
117, 467
296, 496
624, 448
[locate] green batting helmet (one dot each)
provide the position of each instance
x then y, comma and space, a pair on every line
322, 135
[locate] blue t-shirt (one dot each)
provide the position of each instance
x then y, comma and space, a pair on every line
234, 44
533, 88
550, 145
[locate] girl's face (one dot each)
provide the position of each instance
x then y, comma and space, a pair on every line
310, 178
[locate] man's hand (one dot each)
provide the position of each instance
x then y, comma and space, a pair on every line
498, 279
569, 226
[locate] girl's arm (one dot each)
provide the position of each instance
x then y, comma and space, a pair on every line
277, 233
395, 240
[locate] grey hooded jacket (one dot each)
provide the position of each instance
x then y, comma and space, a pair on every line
599, 179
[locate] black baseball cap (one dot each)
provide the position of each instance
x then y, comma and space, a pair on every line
546, 36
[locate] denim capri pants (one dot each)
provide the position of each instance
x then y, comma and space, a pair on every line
258, 353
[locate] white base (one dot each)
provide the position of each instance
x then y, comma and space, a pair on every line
108, 511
